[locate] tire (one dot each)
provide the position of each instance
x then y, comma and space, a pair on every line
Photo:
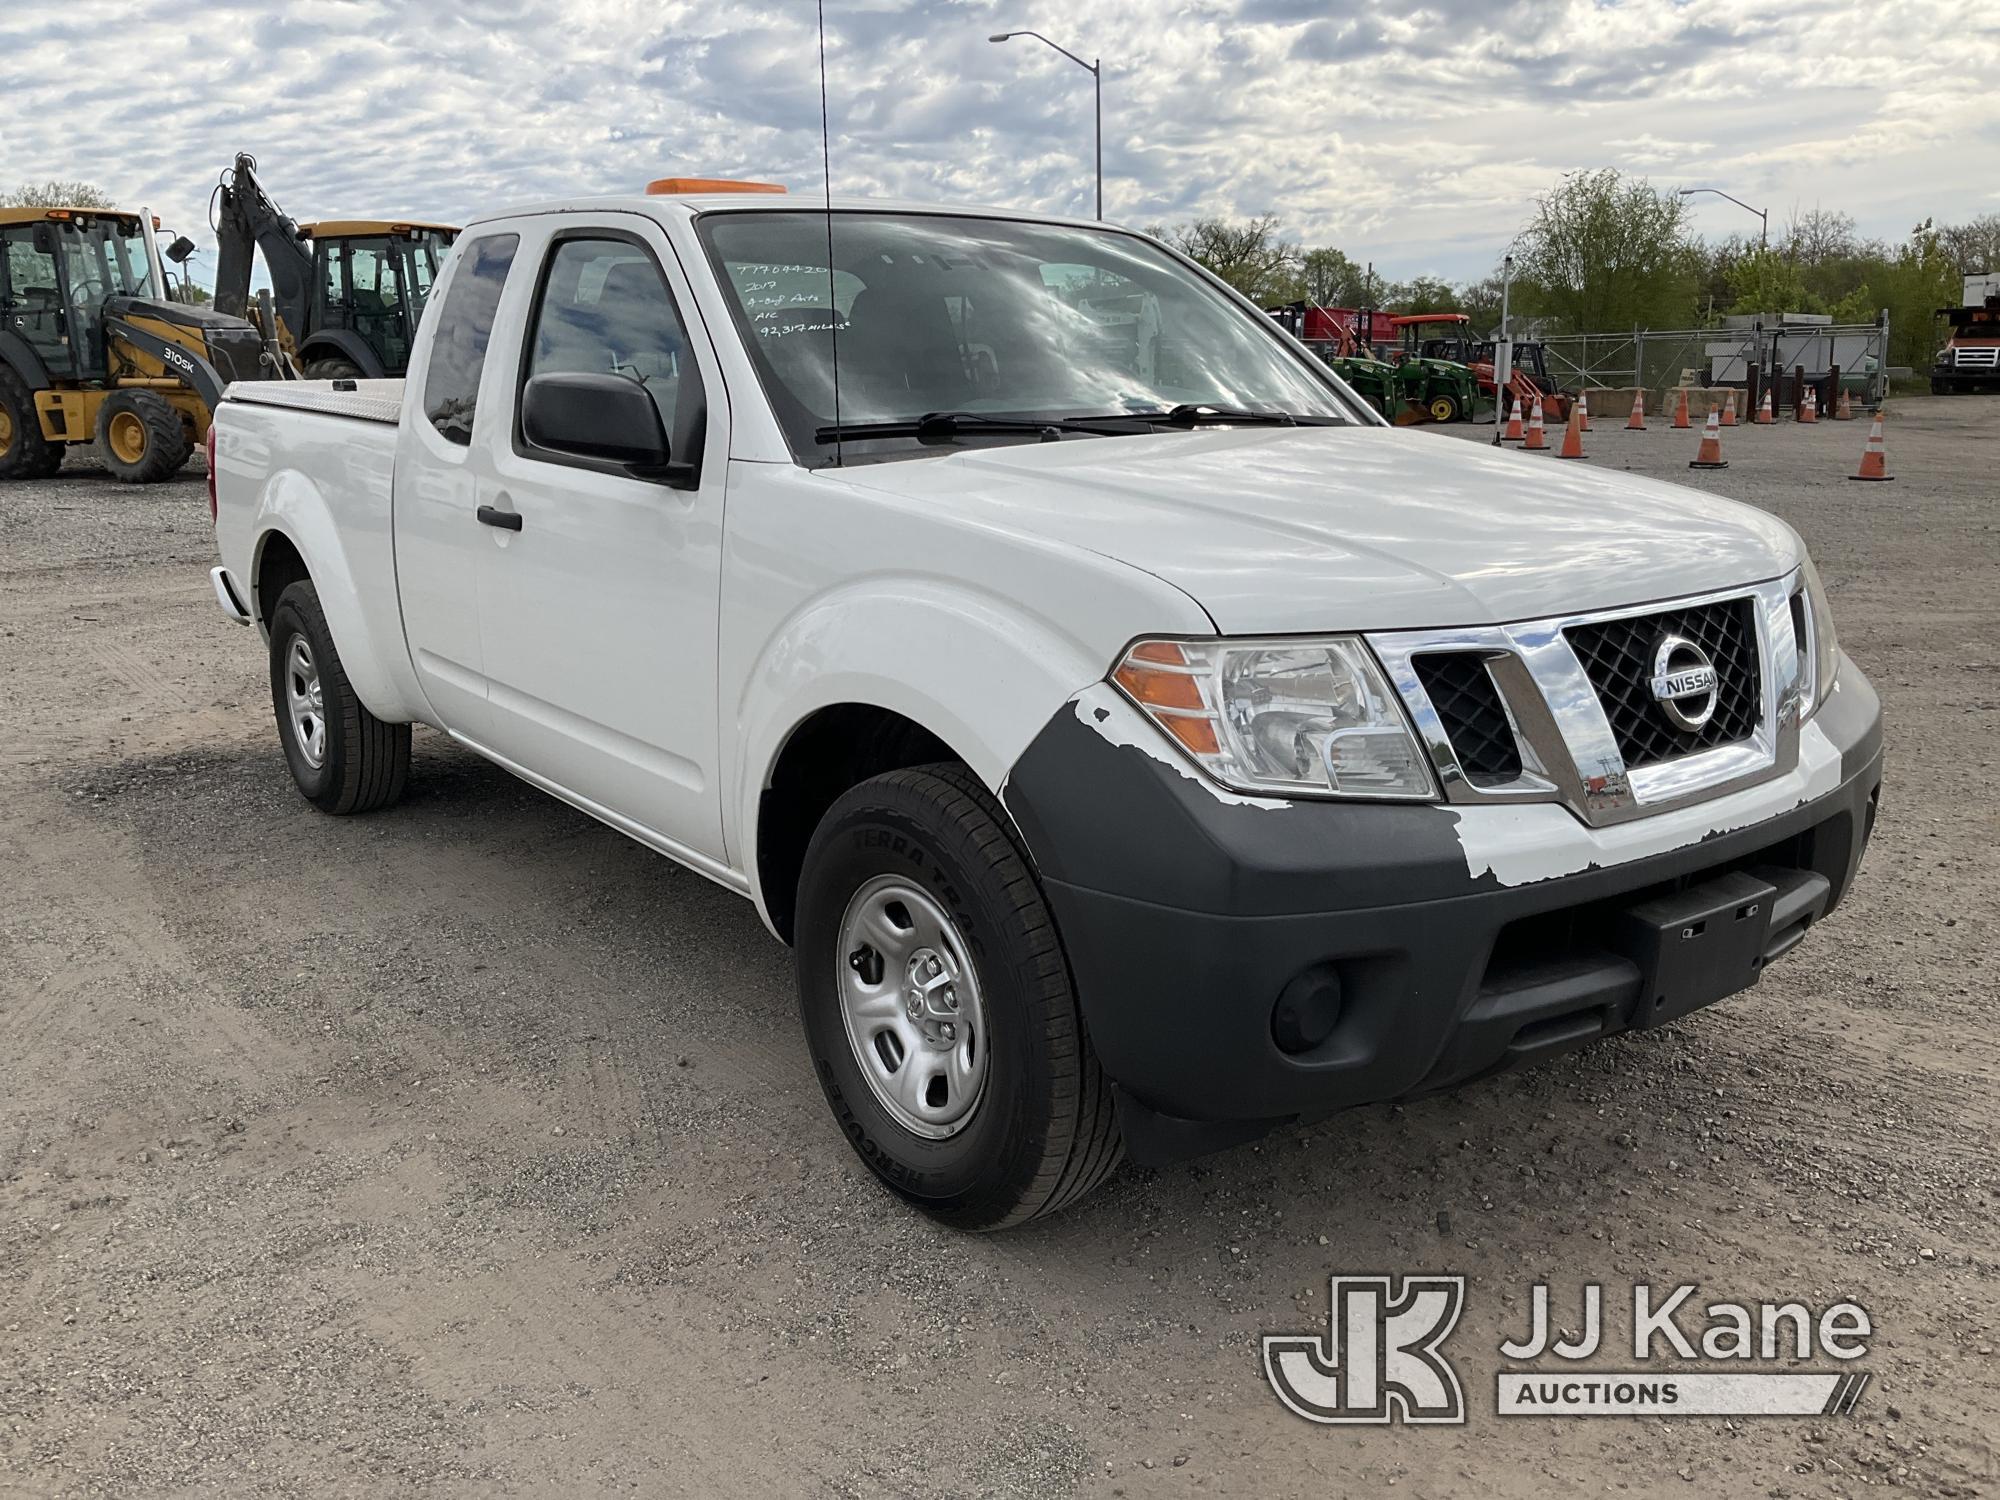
1443, 408
142, 437
355, 763
332, 368
24, 452
1038, 1131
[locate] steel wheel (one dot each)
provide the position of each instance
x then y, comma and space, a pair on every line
127, 436
306, 701
910, 1001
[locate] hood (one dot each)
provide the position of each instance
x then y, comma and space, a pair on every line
1285, 530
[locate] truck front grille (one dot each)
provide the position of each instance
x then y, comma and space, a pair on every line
1976, 357
1475, 720
1617, 655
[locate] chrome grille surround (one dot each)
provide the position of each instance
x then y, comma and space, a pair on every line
1569, 754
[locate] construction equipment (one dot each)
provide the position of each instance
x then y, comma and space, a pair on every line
348, 292
91, 347
1529, 372
1405, 390
1443, 387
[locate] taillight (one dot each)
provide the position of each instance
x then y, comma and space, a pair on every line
213, 508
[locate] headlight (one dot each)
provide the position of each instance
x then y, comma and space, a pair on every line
1281, 717
1816, 640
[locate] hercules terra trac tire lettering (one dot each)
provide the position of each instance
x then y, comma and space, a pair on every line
1043, 1132
344, 759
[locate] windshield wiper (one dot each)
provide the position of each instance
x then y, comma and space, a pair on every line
936, 425
1190, 414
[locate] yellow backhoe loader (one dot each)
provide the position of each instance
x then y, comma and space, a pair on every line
91, 347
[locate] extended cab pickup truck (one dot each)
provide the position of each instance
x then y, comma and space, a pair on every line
1139, 742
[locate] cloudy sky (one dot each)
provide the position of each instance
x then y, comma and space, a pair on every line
1415, 137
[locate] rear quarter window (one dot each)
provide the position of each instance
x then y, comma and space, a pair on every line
464, 328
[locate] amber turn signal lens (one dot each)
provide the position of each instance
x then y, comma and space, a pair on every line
1198, 735
1161, 689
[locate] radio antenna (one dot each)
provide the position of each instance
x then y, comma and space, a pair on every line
826, 175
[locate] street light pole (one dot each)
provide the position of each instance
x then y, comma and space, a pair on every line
1763, 214
1095, 69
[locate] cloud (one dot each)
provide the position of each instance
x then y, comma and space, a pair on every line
1415, 137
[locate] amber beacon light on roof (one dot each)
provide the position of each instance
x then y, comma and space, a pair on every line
677, 186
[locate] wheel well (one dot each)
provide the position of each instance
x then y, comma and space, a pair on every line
279, 566
838, 747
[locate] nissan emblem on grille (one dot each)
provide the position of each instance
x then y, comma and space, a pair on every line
1684, 682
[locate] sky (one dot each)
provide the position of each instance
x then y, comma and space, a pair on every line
1416, 138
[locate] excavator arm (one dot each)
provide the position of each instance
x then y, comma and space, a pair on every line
248, 220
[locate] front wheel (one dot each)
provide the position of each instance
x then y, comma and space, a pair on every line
143, 437
344, 759
938, 1007
1444, 408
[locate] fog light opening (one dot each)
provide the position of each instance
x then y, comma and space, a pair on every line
1308, 1010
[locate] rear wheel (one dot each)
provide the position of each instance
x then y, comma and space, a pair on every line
938, 1006
24, 452
332, 369
344, 759
142, 436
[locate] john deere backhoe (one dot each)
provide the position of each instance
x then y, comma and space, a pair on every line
90, 346
348, 292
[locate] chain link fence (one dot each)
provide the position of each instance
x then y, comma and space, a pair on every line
1661, 358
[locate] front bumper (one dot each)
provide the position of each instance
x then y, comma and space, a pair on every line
1464, 940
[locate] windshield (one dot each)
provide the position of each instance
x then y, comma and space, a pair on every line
104, 257
991, 318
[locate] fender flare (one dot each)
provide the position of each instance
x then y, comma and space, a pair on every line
377, 664
976, 669
346, 343
18, 353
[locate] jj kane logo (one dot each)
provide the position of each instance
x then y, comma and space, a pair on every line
1381, 1358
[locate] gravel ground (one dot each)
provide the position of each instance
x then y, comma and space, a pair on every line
470, 1149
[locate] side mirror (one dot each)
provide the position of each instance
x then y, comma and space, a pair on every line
180, 249
607, 417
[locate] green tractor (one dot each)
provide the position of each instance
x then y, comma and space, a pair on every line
1373, 380
1442, 389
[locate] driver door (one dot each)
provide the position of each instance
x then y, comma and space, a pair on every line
33, 300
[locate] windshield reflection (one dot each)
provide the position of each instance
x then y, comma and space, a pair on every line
940, 313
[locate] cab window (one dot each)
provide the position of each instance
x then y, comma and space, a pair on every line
605, 309
464, 328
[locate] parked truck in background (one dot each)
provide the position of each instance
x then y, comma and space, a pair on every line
1970, 358
1137, 753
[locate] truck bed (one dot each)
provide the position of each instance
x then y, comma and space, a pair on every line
369, 401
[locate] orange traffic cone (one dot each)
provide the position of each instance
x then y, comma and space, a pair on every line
1583, 410
1637, 421
1874, 462
1681, 409
1709, 455
1729, 410
1809, 408
1535, 440
1764, 415
1513, 432
1572, 445
1844, 412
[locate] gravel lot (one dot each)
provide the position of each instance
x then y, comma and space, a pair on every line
470, 1149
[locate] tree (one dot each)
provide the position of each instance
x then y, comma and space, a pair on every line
1768, 281
1330, 278
1249, 255
1817, 236
57, 194
1423, 294
1975, 246
1603, 252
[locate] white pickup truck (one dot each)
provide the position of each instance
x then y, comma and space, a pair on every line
1140, 744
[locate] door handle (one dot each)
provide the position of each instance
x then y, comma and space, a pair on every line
506, 520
